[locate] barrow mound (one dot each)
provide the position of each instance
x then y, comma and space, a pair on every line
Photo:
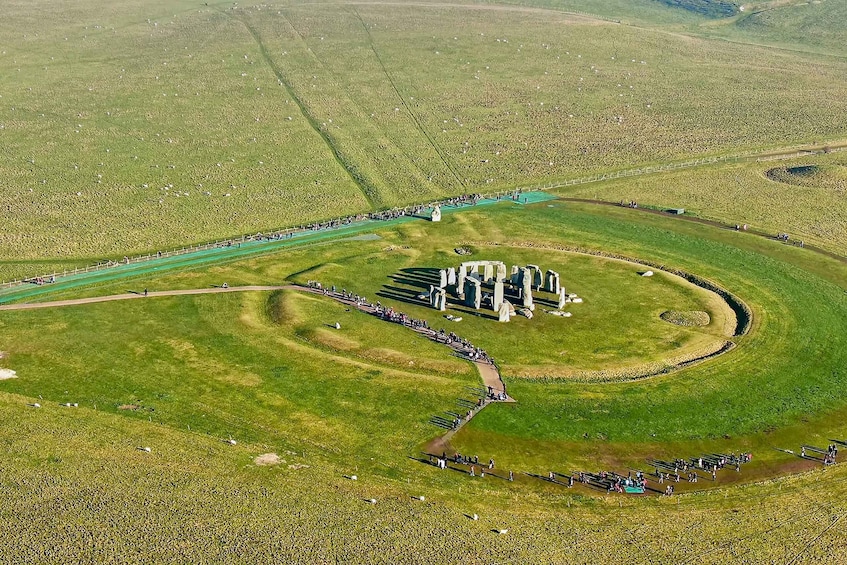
825, 176
692, 318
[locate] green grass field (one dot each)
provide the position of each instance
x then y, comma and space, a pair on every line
266, 369
130, 127
811, 207
146, 126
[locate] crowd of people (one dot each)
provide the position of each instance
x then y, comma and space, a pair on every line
42, 280
784, 237
829, 456
389, 314
471, 464
665, 471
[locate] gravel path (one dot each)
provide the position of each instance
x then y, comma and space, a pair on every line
134, 295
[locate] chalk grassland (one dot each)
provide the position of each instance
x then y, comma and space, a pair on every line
806, 198
266, 369
126, 127
504, 94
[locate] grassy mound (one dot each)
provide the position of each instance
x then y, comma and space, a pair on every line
811, 175
691, 318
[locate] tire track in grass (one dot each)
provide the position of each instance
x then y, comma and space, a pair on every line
368, 190
409, 111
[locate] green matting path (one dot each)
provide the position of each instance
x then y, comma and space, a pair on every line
190, 259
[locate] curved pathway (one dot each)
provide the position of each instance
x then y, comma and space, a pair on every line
487, 369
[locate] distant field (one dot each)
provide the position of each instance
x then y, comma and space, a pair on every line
138, 127
806, 198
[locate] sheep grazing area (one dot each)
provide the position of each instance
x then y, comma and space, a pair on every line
138, 126
295, 397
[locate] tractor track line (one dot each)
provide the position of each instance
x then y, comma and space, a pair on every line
409, 111
368, 191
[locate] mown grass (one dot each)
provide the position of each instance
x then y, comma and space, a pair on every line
228, 370
789, 366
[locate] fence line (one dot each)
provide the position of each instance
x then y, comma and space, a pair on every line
759, 156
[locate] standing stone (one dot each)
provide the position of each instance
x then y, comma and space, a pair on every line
432, 293
562, 298
501, 271
551, 282
526, 283
460, 281
451, 276
436, 214
441, 300
537, 276
473, 294
497, 299
515, 277
474, 272
442, 278
505, 311
488, 272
